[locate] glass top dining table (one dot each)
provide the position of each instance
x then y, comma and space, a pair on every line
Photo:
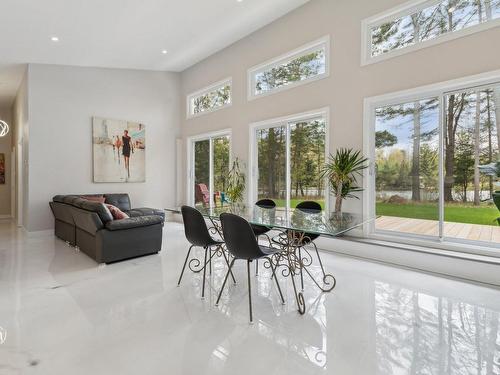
311, 221
297, 229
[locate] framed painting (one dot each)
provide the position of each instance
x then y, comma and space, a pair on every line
2, 168
119, 150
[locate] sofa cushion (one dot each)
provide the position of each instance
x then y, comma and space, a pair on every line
134, 222
99, 208
135, 212
94, 198
116, 212
120, 200
70, 199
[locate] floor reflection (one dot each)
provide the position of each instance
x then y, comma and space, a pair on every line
417, 333
69, 315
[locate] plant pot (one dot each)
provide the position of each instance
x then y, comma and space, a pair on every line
496, 199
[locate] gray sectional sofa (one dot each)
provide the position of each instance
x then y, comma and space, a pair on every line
89, 226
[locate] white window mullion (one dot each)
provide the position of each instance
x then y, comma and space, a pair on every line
442, 109
211, 171
288, 166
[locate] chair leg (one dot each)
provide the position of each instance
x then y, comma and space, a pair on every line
225, 280
184, 266
204, 274
228, 264
210, 263
277, 282
257, 261
249, 292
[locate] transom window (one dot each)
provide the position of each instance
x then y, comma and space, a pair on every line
420, 23
309, 62
209, 99
288, 154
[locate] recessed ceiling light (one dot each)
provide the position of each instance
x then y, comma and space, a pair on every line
54, 39
164, 51
239, 1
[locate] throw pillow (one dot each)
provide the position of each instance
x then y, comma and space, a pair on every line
116, 212
94, 198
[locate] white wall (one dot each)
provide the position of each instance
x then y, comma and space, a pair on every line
20, 113
62, 102
349, 82
6, 148
343, 92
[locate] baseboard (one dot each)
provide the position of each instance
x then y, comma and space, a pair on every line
39, 233
482, 270
173, 217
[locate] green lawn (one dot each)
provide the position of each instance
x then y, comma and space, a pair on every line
459, 213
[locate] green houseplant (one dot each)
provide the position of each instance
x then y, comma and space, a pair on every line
493, 170
236, 182
342, 170
496, 194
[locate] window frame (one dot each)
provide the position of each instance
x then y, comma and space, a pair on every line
439, 90
253, 170
403, 10
321, 43
206, 90
190, 177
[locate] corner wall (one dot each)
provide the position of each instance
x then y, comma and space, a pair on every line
63, 101
6, 149
20, 115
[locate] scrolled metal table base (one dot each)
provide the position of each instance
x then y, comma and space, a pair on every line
296, 259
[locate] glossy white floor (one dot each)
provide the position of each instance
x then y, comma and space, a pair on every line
62, 314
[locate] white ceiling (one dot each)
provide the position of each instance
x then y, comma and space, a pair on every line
124, 33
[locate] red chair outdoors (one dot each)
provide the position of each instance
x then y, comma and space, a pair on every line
202, 194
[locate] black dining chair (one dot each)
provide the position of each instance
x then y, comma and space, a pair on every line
197, 234
261, 230
242, 244
303, 239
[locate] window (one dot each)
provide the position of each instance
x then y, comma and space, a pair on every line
209, 167
212, 98
433, 151
305, 64
422, 23
287, 157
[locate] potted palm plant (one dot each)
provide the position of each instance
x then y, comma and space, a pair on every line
342, 171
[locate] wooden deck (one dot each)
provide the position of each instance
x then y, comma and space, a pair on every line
475, 232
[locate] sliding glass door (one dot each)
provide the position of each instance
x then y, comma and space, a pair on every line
407, 158
288, 156
210, 158
471, 139
433, 162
